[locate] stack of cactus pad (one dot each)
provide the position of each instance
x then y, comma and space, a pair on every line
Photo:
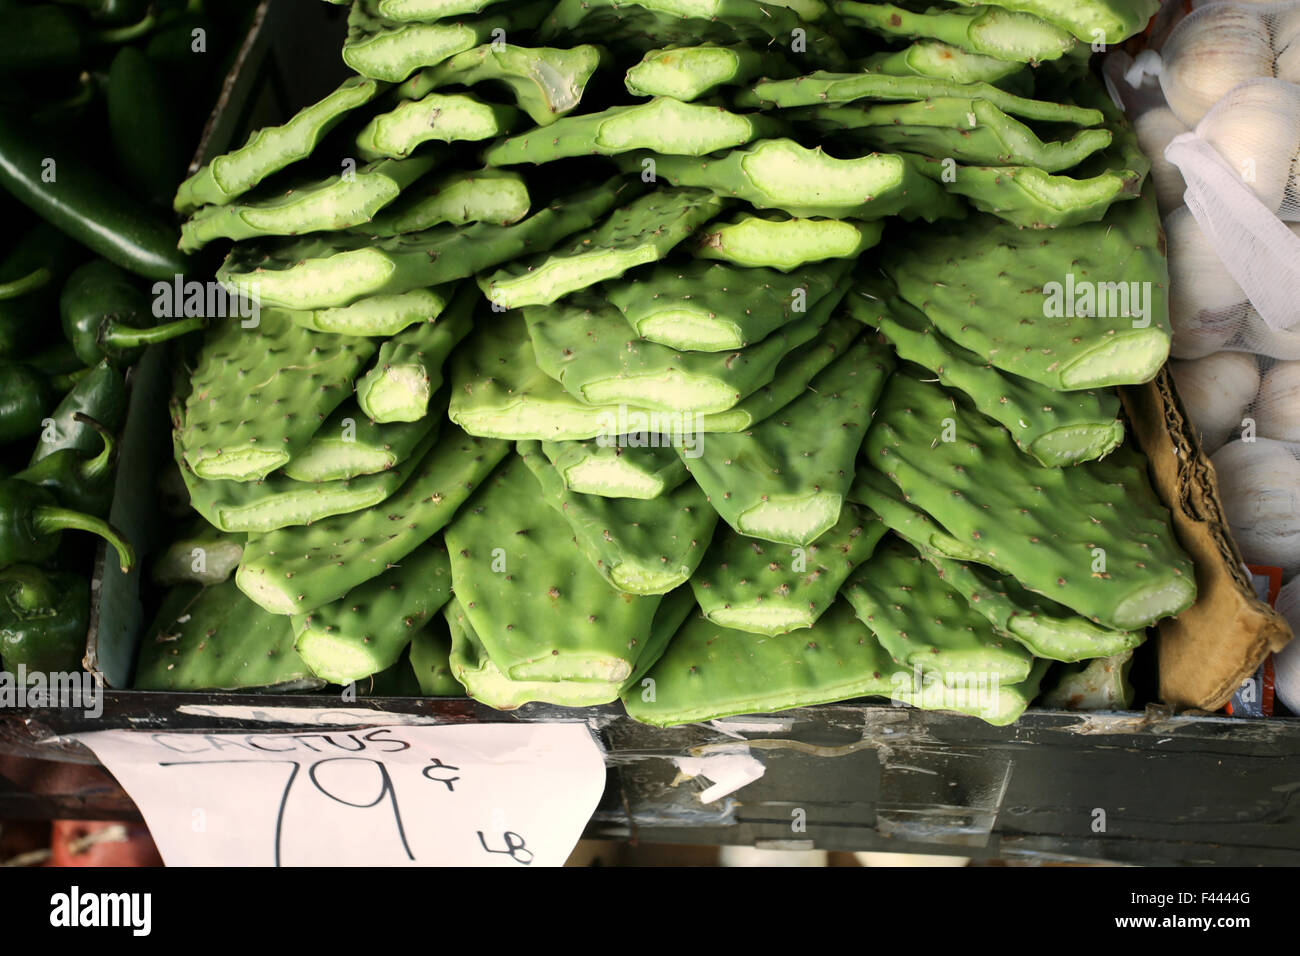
714, 355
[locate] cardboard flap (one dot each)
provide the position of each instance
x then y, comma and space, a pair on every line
1210, 649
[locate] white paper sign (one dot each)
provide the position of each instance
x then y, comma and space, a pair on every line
474, 795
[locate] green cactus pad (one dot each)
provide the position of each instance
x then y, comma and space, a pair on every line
472, 666
793, 374
942, 61
202, 555
968, 130
1101, 684
1093, 537
781, 242
258, 394
1117, 20
688, 72
641, 232
498, 391
766, 588
830, 89
449, 118
644, 25
709, 671
367, 629
711, 307
982, 268
377, 316
538, 605
781, 174
337, 269
585, 345
1046, 628
349, 444
546, 82
639, 546
280, 502
296, 570
494, 196
1028, 197
996, 704
924, 623
408, 370
784, 480
988, 31
386, 50
430, 661
214, 638
336, 202
1056, 428
272, 148
624, 466
664, 125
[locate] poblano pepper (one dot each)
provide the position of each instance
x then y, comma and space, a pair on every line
106, 315
99, 394
76, 481
31, 524
43, 619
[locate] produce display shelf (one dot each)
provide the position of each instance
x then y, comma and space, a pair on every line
1137, 788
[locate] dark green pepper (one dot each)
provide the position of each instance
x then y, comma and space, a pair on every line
49, 37
44, 617
26, 397
60, 184
106, 315
142, 126
25, 318
111, 11
101, 395
57, 361
31, 523
77, 482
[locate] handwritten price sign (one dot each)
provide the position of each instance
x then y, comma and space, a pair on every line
478, 795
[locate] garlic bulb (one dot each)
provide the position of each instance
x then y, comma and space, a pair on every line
1256, 128
1155, 128
1259, 485
1278, 412
1208, 54
1205, 302
1286, 662
1216, 391
1262, 340
1286, 44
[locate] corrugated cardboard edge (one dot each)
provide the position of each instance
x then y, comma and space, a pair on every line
1210, 649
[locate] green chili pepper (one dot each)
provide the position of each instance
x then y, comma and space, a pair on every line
77, 482
44, 617
101, 395
105, 315
24, 318
142, 126
60, 184
26, 397
31, 523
